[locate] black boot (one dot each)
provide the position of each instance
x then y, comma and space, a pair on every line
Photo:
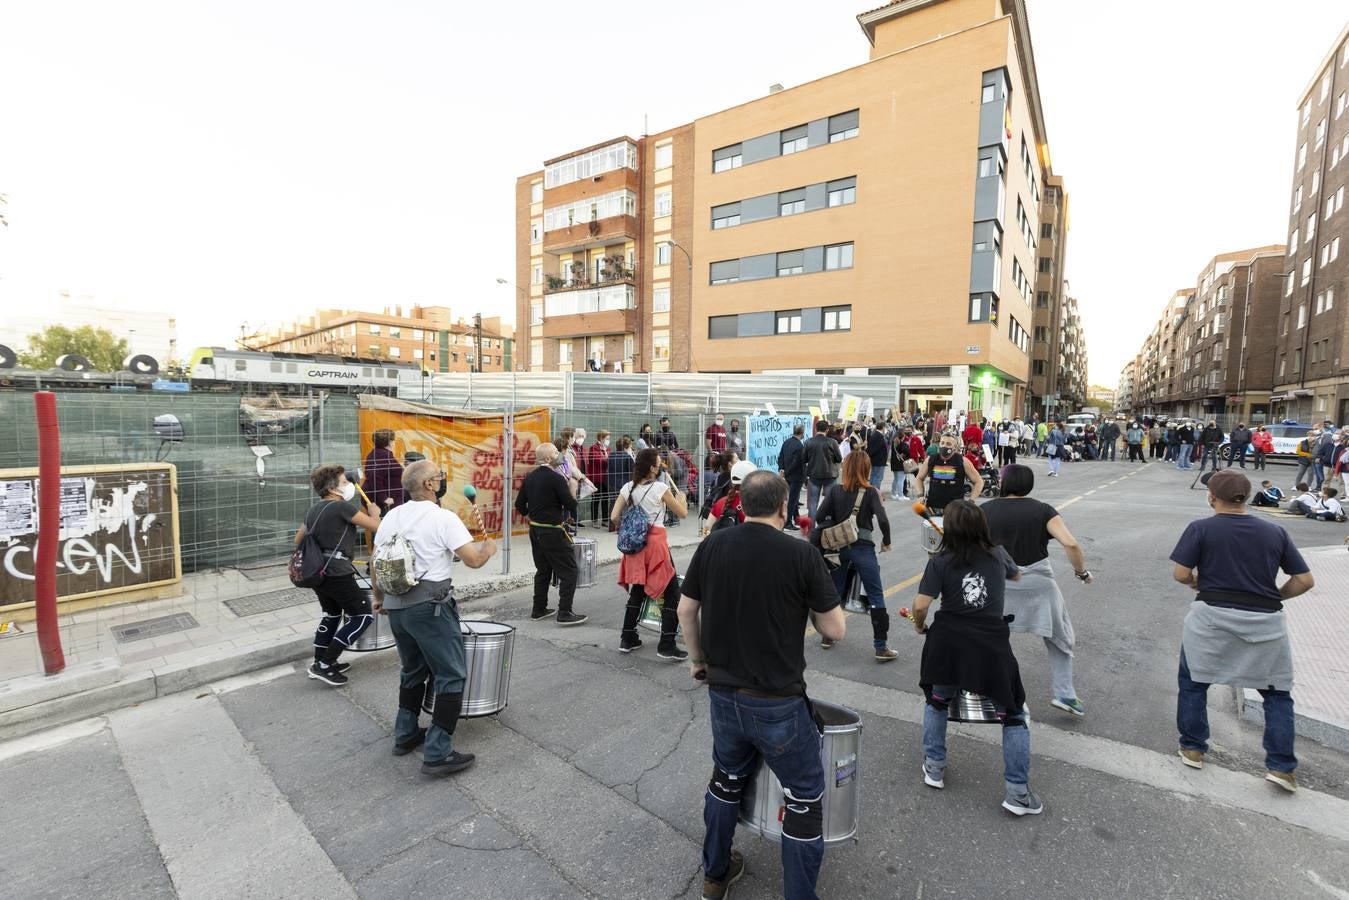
628, 639
880, 633
669, 626
446, 716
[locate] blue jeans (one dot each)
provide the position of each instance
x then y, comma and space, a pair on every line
780, 730
1319, 470
1015, 740
1209, 454
1238, 455
430, 644
1192, 720
814, 491
899, 485
862, 556
1183, 457
877, 476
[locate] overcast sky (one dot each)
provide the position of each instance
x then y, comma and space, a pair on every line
247, 162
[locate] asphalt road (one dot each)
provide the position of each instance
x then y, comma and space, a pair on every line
590, 783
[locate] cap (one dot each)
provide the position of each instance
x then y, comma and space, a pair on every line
741, 469
1229, 486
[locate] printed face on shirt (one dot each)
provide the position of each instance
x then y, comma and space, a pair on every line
974, 592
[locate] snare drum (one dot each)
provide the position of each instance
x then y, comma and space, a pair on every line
928, 536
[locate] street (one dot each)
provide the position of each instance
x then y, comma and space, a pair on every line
590, 783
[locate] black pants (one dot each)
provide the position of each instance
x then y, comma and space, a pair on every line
339, 595
552, 553
1136, 452
794, 486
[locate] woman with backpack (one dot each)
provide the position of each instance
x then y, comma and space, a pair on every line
648, 568
851, 508
332, 522
720, 485
726, 511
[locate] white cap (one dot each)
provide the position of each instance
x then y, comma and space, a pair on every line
741, 469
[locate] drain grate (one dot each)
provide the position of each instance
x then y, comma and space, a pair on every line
270, 601
262, 573
139, 631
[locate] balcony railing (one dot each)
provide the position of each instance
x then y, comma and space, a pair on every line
589, 300
614, 272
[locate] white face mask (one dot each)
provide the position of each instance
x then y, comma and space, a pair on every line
719, 421
348, 491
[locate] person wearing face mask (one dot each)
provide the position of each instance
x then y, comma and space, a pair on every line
735, 441
948, 471
714, 440
597, 470
644, 438
665, 439
333, 521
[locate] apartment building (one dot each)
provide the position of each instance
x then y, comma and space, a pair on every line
1311, 380
1124, 390
1047, 328
886, 219
428, 335
1072, 378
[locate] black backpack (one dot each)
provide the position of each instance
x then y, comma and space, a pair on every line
308, 564
730, 515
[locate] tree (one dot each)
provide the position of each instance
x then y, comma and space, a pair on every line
104, 351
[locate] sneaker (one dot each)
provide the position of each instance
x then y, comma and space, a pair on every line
455, 762
1073, 706
826, 643
627, 646
885, 655
934, 775
716, 890
790, 527
1026, 805
567, 617
341, 667
1285, 780
405, 748
536, 615
1192, 758
327, 674
673, 653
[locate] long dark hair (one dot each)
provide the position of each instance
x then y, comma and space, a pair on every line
965, 532
648, 461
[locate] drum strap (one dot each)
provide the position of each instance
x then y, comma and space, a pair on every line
533, 524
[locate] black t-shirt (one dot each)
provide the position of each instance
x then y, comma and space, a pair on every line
945, 478
326, 520
757, 586
975, 589
1018, 524
1238, 553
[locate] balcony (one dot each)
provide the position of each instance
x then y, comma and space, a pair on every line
614, 272
585, 234
587, 311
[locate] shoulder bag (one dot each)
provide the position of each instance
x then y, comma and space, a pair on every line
844, 533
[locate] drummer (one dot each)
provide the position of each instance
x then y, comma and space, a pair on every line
968, 648
425, 620
546, 500
944, 474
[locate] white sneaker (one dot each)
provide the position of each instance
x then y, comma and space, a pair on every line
937, 780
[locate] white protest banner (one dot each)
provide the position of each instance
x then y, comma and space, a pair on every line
848, 411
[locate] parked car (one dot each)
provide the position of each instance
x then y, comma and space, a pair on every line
1285, 436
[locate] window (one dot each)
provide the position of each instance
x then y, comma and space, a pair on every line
983, 308
726, 158
1311, 228
1292, 241
791, 263
843, 126
792, 202
536, 352
660, 345
1017, 335
1340, 102
1283, 364
1325, 88
838, 256
536, 232
374, 349
1038, 367
1320, 131
536, 276
723, 326
395, 332
1046, 230
726, 216
627, 346
1334, 202
663, 202
1306, 114
1301, 156
1042, 300
1041, 334
536, 192
395, 352
789, 321
1301, 314
1316, 183
842, 192
1320, 304
622, 154
1334, 249
1046, 264
660, 299
794, 140
417, 334
374, 329
664, 156
725, 272
1297, 199
1283, 325
663, 251
837, 318
1325, 255
1330, 298
614, 203
1297, 360
564, 352
433, 354
536, 313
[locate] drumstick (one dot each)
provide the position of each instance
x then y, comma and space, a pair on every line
921, 509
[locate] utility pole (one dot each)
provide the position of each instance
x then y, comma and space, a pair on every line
477, 339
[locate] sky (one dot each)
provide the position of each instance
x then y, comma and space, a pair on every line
240, 164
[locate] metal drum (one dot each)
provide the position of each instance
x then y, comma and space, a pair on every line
488, 648
377, 635
854, 594
650, 618
585, 550
761, 806
970, 707
929, 537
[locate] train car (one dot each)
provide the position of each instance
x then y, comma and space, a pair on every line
220, 368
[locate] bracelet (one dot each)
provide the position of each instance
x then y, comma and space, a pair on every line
1083, 575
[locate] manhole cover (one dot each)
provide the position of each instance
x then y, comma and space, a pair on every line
270, 601
139, 631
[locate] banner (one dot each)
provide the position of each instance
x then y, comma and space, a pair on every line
467, 445
848, 411
766, 434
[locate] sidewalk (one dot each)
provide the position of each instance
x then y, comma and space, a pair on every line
1318, 628
225, 622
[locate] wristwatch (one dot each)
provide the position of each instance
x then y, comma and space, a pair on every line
1083, 575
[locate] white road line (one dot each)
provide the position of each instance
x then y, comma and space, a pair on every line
262, 676
1068, 503
1326, 886
47, 740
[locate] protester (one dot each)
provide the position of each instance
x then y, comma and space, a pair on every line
854, 497
1304, 458
333, 521
727, 510
721, 483
596, 464
650, 571
792, 467
1262, 442
545, 500
1211, 438
1326, 505
644, 437
1156, 441
1235, 633
968, 648
619, 468
822, 462
899, 456
950, 472
672, 463
1056, 448
425, 619
714, 439
1239, 444
383, 482
878, 451
1023, 527
1328, 451
1268, 495
665, 439
735, 440
745, 626
1041, 436
1185, 439
1110, 434
1133, 436
1306, 501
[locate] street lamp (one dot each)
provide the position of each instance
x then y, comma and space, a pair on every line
688, 321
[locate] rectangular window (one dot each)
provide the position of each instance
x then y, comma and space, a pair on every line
660, 299
842, 191
1046, 230
1046, 263
723, 326
1334, 249
1283, 365
1297, 360
374, 329
660, 345
564, 351
837, 318
536, 313
663, 202
1316, 183
794, 140
838, 256
1311, 228
983, 308
792, 202
1340, 103
1292, 241
1041, 334
843, 126
1042, 300
416, 334
664, 156
536, 192
1325, 87
1297, 199
724, 272
536, 232
1038, 367
726, 216
989, 94
627, 346
1320, 131
536, 352
791, 262
726, 158
1325, 255
622, 154
1301, 156
663, 252
1330, 298
1301, 314
395, 352
395, 332
789, 321
614, 203
1320, 304
536, 275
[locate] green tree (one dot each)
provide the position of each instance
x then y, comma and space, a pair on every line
98, 345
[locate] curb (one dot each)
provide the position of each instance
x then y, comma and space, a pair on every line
1331, 733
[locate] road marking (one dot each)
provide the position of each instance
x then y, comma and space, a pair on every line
1090, 492
891, 591
1068, 503
1326, 886
48, 740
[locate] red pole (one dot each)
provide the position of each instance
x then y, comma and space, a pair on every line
48, 530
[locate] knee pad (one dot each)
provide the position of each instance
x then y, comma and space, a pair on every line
726, 787
410, 698
802, 819
446, 713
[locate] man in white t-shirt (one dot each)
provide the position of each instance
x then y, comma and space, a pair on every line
425, 619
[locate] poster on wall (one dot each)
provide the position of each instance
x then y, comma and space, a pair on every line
468, 446
766, 434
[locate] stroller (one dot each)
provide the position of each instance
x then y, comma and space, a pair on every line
992, 480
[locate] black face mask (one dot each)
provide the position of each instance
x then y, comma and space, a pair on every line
665, 429
946, 452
